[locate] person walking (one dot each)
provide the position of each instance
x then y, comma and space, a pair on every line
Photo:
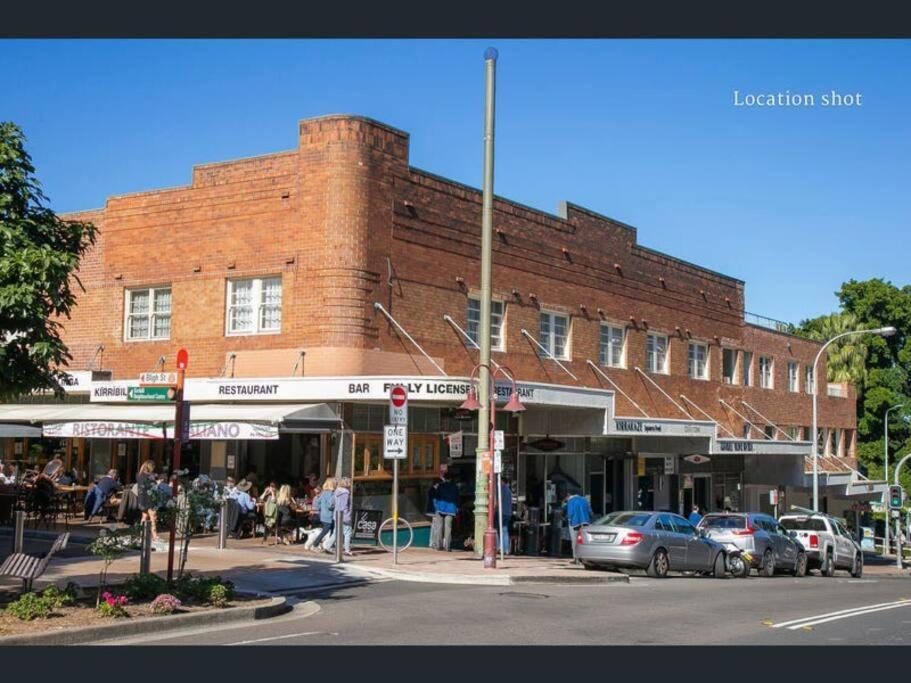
145, 482
504, 502
446, 506
695, 517
578, 514
325, 503
342, 501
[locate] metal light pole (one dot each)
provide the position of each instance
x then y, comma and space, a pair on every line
513, 405
898, 519
882, 332
481, 492
886, 466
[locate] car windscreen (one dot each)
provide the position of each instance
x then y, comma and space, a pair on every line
624, 519
803, 524
724, 522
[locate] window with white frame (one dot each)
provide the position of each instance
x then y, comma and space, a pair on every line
836, 442
254, 306
747, 371
698, 361
765, 372
793, 433
148, 314
809, 382
612, 338
496, 323
656, 353
553, 334
728, 365
793, 380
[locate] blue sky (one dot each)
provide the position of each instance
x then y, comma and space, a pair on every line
792, 200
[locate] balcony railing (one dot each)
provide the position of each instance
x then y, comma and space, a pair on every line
768, 323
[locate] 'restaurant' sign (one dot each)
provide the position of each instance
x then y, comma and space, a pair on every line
199, 431
660, 427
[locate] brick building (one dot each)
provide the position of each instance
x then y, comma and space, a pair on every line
328, 265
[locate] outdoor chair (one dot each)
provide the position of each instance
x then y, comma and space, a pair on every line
30, 567
45, 504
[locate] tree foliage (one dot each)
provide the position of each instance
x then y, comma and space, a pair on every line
39, 258
886, 381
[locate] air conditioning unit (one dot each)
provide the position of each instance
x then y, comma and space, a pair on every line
726, 380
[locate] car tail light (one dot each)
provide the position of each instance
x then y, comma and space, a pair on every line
749, 531
579, 539
814, 541
631, 538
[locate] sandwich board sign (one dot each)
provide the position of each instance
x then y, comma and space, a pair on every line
395, 442
398, 406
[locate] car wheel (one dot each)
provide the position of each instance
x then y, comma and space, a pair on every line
828, 567
768, 564
589, 565
857, 570
739, 567
800, 568
720, 569
659, 565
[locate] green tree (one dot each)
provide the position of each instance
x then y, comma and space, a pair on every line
39, 258
847, 356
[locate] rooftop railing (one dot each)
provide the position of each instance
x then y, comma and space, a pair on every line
768, 323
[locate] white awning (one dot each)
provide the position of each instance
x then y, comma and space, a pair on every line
13, 431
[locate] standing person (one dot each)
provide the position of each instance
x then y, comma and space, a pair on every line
342, 501
446, 506
695, 517
325, 503
504, 500
578, 514
145, 482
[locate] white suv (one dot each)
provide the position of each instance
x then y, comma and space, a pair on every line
828, 544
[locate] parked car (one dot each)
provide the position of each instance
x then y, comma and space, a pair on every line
828, 544
770, 546
658, 542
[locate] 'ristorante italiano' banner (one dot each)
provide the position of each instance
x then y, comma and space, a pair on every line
199, 431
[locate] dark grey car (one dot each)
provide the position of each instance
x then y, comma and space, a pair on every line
658, 542
767, 545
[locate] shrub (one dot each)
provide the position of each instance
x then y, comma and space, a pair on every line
56, 598
140, 587
165, 604
220, 595
30, 606
199, 589
112, 605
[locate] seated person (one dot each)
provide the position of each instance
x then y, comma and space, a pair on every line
100, 492
241, 496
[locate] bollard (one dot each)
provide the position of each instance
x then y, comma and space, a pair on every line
145, 548
19, 532
223, 526
337, 533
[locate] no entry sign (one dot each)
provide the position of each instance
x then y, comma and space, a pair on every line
398, 406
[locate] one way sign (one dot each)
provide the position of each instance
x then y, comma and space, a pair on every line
395, 442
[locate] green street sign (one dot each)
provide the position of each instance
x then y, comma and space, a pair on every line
155, 394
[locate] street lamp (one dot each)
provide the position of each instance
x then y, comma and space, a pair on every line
513, 405
882, 332
886, 466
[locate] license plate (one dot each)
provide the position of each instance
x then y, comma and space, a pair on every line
603, 538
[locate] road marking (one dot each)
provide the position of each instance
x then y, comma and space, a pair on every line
794, 624
289, 635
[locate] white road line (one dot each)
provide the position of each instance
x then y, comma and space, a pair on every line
848, 616
289, 635
804, 620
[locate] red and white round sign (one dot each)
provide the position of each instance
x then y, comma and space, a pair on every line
398, 396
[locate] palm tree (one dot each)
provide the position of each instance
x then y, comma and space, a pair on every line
847, 356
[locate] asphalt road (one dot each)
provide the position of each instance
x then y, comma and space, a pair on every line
680, 610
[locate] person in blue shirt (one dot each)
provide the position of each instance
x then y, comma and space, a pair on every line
445, 508
695, 517
578, 514
325, 503
504, 500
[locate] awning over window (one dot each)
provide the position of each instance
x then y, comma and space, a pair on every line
19, 431
207, 421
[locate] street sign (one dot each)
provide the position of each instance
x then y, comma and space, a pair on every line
151, 394
182, 359
670, 464
773, 497
497, 462
499, 440
167, 379
398, 406
455, 444
185, 421
395, 442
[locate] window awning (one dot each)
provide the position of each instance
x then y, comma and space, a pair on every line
207, 421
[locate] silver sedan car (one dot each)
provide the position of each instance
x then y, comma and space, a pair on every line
658, 542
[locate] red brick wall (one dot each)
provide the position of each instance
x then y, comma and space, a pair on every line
347, 223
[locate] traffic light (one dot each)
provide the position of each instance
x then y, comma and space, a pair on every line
896, 497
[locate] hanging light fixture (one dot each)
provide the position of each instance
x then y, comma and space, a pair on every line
471, 403
514, 405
